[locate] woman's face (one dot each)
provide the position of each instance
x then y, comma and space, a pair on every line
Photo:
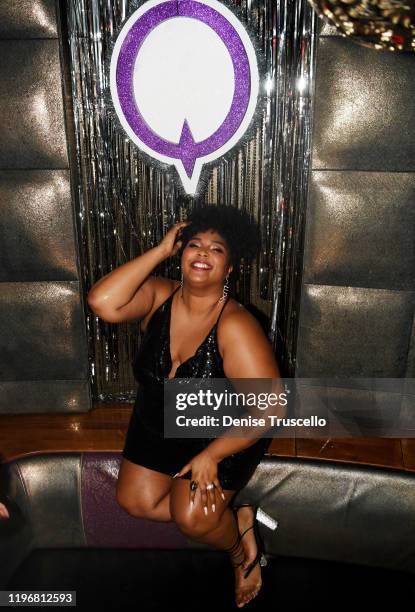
206, 259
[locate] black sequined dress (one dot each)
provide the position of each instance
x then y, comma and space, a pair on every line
145, 444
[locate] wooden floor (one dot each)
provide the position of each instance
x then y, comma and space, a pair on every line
104, 429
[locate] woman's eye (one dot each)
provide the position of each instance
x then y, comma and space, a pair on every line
195, 244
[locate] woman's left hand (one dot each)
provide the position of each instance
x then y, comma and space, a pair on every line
204, 470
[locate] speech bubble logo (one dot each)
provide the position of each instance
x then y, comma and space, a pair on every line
231, 105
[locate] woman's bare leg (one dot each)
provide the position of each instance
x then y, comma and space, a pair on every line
219, 529
150, 494
246, 518
144, 493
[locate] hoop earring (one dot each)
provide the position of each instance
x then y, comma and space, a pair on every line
225, 291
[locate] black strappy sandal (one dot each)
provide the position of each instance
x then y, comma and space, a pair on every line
260, 557
235, 550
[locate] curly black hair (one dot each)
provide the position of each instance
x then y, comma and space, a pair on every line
239, 230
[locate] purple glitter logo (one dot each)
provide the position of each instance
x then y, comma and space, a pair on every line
195, 31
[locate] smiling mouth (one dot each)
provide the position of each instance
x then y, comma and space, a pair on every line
198, 265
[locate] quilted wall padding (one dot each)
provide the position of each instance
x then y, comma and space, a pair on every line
43, 344
358, 292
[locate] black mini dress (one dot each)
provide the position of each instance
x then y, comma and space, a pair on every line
145, 443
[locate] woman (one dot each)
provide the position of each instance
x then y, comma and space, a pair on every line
192, 329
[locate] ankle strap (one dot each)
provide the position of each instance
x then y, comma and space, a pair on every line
236, 550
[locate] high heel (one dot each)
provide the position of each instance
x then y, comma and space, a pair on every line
269, 522
261, 516
236, 551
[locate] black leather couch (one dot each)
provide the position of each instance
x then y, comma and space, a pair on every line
346, 536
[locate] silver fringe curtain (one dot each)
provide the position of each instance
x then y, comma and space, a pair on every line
125, 206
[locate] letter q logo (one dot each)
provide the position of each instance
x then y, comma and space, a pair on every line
184, 82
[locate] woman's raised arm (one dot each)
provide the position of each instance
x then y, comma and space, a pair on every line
128, 292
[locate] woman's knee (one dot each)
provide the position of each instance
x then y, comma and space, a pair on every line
135, 505
129, 504
194, 523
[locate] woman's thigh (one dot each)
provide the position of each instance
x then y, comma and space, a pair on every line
140, 489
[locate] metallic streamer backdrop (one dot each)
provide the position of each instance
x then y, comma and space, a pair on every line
125, 205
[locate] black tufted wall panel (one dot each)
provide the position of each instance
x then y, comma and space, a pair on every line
28, 19
354, 331
358, 293
361, 230
364, 112
43, 356
31, 107
37, 240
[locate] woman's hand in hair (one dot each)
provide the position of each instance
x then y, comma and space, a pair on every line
168, 244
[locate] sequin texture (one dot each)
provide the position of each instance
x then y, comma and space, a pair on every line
145, 444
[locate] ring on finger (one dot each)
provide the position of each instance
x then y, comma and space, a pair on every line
210, 486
